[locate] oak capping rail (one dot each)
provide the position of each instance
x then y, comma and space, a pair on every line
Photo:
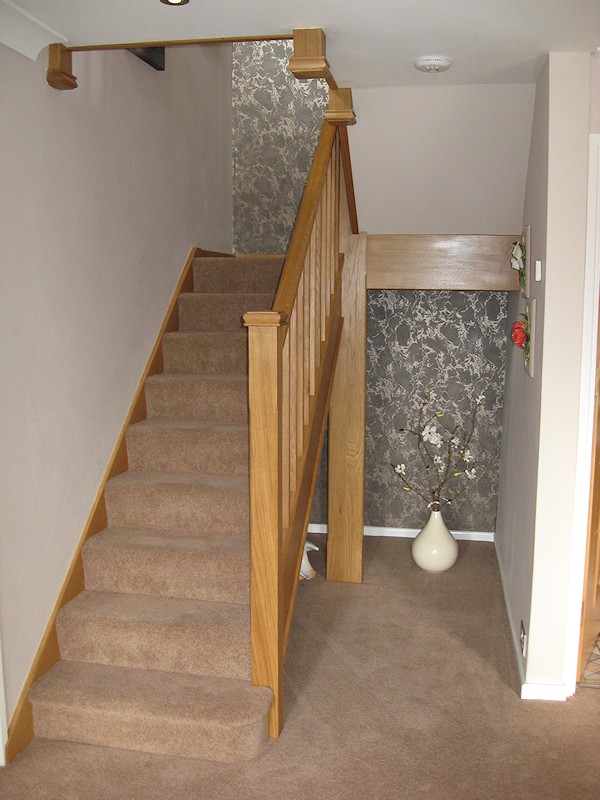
444, 261
20, 730
294, 262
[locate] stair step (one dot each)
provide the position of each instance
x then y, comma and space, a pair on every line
156, 563
252, 273
206, 353
183, 503
172, 634
218, 719
218, 312
214, 398
175, 446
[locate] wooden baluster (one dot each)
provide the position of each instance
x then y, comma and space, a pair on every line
293, 391
285, 435
299, 310
306, 340
336, 211
314, 341
265, 344
327, 243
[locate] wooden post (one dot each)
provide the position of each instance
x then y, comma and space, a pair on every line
309, 59
266, 595
340, 110
347, 426
60, 68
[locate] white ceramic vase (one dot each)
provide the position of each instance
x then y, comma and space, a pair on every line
435, 549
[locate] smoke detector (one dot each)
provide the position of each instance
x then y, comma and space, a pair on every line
433, 63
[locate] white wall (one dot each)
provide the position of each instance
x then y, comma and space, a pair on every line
103, 190
536, 534
449, 159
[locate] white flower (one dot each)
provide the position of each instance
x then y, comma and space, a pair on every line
431, 435
516, 263
480, 400
439, 462
466, 456
470, 474
456, 441
400, 469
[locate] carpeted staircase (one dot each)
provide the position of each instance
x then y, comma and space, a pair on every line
156, 651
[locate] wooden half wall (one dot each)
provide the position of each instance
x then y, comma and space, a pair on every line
432, 261
389, 261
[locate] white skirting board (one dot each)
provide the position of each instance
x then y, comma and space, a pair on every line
544, 691
410, 533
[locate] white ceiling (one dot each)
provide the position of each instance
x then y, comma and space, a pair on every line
369, 42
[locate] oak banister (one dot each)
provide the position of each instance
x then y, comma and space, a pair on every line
293, 351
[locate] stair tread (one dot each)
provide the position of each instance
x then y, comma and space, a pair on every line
143, 539
236, 295
168, 564
203, 480
162, 423
192, 377
151, 694
176, 613
238, 336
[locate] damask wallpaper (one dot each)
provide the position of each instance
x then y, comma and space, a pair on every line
276, 124
454, 344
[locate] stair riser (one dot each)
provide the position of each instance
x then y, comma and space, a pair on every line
210, 355
248, 275
192, 649
189, 510
206, 312
212, 400
215, 452
163, 573
175, 737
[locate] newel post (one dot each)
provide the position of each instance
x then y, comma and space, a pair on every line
60, 68
266, 562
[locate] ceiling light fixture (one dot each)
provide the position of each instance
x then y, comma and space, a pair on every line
175, 2
433, 64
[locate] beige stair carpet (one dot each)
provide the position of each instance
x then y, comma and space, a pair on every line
155, 653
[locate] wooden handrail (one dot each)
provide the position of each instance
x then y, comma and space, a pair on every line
292, 356
299, 240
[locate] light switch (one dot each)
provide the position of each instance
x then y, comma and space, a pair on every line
538, 270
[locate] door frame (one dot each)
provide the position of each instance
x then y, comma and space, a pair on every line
589, 334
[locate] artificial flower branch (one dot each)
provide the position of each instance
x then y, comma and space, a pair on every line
444, 466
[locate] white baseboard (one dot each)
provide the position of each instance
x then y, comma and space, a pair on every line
544, 691
410, 533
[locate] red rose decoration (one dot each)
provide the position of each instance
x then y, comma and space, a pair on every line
519, 336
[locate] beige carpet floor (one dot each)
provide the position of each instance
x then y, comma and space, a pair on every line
402, 688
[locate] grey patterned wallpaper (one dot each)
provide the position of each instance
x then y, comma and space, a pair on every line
452, 343
276, 124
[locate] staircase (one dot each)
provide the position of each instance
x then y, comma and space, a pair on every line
155, 653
